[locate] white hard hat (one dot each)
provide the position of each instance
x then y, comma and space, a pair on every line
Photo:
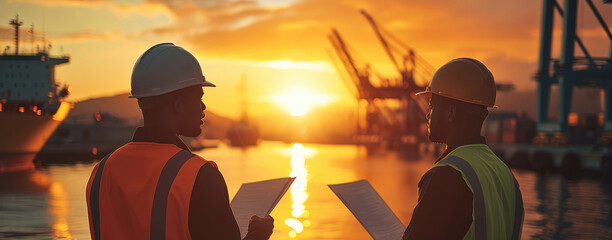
164, 68
464, 79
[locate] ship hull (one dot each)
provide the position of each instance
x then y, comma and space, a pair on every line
242, 136
22, 135
12, 162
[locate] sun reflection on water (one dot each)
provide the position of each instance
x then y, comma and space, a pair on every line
299, 195
58, 204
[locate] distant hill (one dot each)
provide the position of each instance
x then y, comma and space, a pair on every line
124, 108
119, 106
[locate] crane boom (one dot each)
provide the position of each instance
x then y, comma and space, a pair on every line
360, 78
384, 42
350, 84
409, 59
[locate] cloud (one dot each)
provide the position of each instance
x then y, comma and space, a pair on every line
55, 3
25, 37
502, 34
251, 30
148, 9
247, 30
121, 9
87, 36
195, 17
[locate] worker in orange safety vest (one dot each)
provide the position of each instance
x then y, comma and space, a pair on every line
154, 187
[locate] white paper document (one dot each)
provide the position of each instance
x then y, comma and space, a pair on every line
369, 209
257, 198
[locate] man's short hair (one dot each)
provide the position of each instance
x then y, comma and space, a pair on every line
146, 103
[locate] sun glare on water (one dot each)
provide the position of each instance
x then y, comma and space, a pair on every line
299, 101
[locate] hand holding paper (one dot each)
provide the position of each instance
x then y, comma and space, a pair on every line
257, 198
260, 228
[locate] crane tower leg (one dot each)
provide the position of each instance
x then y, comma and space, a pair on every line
543, 75
566, 84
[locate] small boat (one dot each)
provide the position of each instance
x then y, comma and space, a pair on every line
243, 134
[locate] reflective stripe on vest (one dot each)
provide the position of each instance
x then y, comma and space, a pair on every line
158, 211
480, 211
519, 212
94, 197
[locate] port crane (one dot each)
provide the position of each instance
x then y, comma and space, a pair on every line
399, 127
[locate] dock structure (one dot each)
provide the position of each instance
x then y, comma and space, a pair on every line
570, 161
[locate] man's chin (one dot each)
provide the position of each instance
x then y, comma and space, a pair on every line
436, 140
193, 133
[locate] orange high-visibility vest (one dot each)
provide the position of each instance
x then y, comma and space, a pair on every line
142, 191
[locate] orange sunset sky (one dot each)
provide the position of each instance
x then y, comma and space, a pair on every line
281, 45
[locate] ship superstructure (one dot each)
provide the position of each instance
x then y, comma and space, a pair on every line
31, 103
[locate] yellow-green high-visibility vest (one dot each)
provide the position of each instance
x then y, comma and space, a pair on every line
497, 211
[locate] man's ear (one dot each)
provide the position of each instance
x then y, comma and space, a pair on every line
451, 113
178, 106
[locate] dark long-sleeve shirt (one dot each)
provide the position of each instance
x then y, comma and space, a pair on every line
210, 215
444, 208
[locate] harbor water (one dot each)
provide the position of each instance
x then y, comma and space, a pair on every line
49, 202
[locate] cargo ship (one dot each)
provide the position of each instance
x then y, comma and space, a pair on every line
31, 103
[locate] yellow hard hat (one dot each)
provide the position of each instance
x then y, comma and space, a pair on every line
464, 79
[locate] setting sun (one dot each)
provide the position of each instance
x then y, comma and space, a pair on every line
299, 101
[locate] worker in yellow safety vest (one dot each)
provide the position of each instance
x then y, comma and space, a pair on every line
469, 193
154, 187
